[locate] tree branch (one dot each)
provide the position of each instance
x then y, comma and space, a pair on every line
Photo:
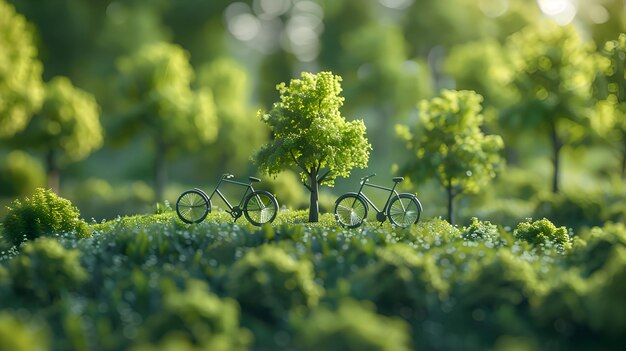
323, 177
298, 163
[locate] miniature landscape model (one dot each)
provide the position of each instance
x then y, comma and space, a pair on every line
312, 175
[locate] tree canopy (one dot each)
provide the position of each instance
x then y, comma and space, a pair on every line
552, 71
450, 146
310, 133
21, 87
66, 129
159, 100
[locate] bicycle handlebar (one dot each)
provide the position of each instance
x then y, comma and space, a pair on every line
368, 177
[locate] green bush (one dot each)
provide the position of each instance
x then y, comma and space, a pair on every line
351, 327
20, 174
606, 302
268, 282
399, 281
597, 246
43, 214
197, 318
576, 210
19, 335
482, 231
544, 234
45, 269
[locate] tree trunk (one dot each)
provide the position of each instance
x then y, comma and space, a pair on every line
450, 203
314, 208
624, 154
556, 153
160, 170
52, 171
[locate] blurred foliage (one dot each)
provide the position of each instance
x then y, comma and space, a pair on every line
240, 132
267, 283
156, 83
19, 334
66, 129
197, 317
20, 174
552, 71
21, 87
45, 270
42, 214
352, 326
450, 146
610, 118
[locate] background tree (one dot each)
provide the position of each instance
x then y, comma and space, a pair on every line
310, 133
552, 70
66, 129
450, 146
240, 133
611, 110
21, 87
159, 101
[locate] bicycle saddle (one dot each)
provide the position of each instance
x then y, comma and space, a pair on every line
254, 179
398, 179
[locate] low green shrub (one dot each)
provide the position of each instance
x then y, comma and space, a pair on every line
351, 327
43, 214
268, 282
44, 270
482, 231
399, 282
597, 245
195, 317
543, 233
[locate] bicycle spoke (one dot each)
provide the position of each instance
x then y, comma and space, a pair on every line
350, 211
260, 209
403, 211
192, 207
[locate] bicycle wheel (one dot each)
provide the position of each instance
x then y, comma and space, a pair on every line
260, 207
404, 210
350, 210
192, 206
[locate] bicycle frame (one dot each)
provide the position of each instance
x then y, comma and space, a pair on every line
392, 191
225, 178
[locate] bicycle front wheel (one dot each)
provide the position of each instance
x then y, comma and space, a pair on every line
192, 206
350, 210
260, 207
404, 210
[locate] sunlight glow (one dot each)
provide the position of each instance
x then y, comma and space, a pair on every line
493, 8
561, 11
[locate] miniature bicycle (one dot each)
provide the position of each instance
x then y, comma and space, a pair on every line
259, 206
403, 209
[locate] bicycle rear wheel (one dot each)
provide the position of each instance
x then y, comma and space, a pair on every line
192, 206
350, 210
404, 210
260, 207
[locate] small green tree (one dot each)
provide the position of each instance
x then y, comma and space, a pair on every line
310, 133
156, 82
21, 87
450, 146
552, 72
66, 129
